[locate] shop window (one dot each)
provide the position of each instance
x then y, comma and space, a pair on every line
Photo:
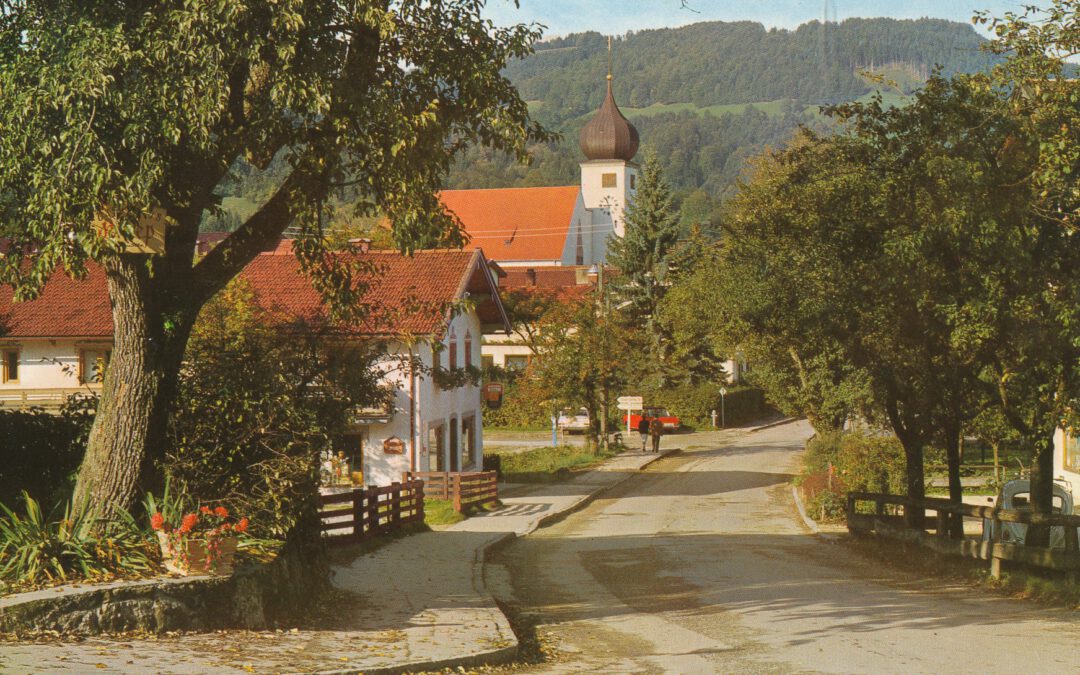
10, 365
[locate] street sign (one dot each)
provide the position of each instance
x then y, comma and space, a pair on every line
723, 390
631, 402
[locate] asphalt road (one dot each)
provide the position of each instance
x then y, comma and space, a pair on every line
701, 564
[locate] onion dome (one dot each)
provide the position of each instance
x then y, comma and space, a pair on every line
609, 135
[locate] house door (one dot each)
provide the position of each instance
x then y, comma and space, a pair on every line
349, 454
468, 443
454, 445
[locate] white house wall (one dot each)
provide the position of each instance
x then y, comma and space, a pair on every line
45, 364
433, 407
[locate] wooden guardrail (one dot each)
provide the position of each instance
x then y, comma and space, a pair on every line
887, 518
355, 515
466, 488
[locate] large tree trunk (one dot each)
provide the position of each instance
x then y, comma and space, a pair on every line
1042, 489
129, 430
914, 518
953, 440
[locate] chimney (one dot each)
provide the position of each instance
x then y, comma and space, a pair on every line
531, 275
362, 244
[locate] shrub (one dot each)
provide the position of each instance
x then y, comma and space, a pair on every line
258, 403
841, 462
40, 452
39, 549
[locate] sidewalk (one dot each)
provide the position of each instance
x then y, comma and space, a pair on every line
418, 603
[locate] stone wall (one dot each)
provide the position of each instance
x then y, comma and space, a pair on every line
255, 597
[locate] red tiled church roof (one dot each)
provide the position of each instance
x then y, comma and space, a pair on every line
515, 223
407, 294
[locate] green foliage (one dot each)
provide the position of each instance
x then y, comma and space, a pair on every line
64, 545
40, 452
259, 402
859, 462
643, 254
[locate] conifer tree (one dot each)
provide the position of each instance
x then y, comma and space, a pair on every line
643, 255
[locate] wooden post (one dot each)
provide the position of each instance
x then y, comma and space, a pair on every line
1072, 545
457, 491
942, 523
372, 510
358, 513
395, 504
995, 566
419, 492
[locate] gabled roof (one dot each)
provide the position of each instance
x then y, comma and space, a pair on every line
408, 295
515, 223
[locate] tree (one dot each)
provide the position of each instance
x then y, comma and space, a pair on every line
120, 116
643, 256
1038, 376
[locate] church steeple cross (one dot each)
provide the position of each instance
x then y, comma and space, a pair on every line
609, 58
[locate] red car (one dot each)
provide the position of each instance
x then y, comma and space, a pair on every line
670, 422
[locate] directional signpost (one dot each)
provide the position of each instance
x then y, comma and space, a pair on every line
630, 404
723, 417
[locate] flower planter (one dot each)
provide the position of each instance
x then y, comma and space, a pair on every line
192, 556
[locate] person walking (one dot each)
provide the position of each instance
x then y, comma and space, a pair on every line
656, 427
643, 429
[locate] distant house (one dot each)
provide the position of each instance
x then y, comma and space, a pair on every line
59, 343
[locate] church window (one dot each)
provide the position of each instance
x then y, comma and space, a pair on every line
608, 180
579, 255
468, 349
633, 182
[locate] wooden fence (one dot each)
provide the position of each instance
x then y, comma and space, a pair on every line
466, 489
350, 517
887, 518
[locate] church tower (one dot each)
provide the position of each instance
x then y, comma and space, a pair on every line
609, 174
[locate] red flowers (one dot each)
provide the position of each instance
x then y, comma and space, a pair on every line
221, 512
188, 523
157, 521
242, 525
204, 510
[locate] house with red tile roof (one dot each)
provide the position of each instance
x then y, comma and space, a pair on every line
428, 311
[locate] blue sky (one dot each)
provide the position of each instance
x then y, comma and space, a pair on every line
615, 17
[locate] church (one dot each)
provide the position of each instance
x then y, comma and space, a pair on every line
558, 226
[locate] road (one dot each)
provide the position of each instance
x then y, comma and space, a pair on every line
701, 564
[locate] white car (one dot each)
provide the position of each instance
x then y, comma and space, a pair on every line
569, 421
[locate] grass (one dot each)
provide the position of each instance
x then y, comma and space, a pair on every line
441, 512
548, 465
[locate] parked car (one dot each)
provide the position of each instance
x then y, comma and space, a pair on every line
570, 421
1016, 494
670, 422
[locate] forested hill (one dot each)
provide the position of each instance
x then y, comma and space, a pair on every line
707, 96
718, 63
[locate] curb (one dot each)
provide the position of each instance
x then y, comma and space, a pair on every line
770, 425
807, 520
